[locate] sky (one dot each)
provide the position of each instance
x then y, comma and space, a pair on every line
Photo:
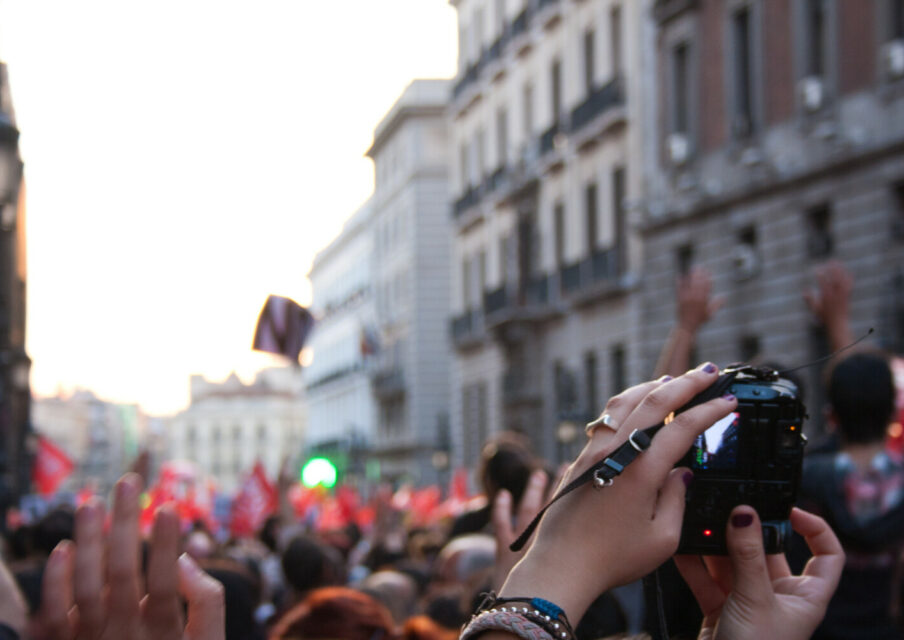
186, 158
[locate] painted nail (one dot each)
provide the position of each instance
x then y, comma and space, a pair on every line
741, 520
709, 367
665, 378
688, 477
729, 396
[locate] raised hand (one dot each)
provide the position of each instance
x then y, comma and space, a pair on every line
93, 589
751, 595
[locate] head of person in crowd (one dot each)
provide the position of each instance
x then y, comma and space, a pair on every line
466, 557
396, 590
308, 564
425, 628
57, 525
269, 534
506, 462
336, 612
241, 592
861, 394
199, 544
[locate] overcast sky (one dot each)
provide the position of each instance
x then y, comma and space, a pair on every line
185, 158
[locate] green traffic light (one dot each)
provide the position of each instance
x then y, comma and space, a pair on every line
318, 471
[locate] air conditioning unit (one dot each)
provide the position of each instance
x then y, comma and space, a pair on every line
679, 148
812, 93
893, 59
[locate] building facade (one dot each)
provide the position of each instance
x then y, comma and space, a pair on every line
101, 438
780, 146
229, 426
342, 411
548, 133
411, 231
15, 393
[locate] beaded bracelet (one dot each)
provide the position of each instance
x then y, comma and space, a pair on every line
504, 620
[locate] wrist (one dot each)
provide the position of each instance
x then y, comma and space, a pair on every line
534, 580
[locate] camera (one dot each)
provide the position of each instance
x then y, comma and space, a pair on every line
752, 456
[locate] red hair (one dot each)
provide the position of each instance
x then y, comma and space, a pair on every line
335, 612
424, 628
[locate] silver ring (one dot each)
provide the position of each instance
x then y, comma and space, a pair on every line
604, 420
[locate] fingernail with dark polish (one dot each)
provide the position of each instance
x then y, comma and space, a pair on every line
665, 378
688, 477
728, 396
710, 368
741, 520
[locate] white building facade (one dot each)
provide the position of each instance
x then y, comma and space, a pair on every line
229, 426
411, 229
342, 412
547, 134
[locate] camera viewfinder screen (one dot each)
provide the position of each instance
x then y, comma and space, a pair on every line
717, 447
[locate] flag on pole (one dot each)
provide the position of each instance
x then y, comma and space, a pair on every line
51, 467
257, 499
282, 327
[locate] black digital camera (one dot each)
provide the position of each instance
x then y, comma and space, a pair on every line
752, 456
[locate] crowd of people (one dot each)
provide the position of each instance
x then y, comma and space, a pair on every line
91, 574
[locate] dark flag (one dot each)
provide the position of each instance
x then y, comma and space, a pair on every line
282, 327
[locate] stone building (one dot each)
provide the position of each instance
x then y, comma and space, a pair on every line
780, 145
229, 426
548, 127
342, 411
411, 231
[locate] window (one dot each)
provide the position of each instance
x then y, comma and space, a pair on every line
589, 54
591, 392
559, 224
462, 48
615, 40
556, 89
742, 121
501, 136
463, 167
620, 216
681, 91
749, 347
504, 243
684, 258
820, 242
896, 19
618, 374
528, 98
499, 17
474, 418
897, 211
466, 283
815, 20
590, 210
480, 153
478, 33
482, 271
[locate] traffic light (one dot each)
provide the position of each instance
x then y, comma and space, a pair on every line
318, 471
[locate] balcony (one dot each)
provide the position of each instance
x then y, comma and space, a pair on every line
593, 275
530, 303
549, 13
468, 330
601, 100
548, 139
388, 383
470, 198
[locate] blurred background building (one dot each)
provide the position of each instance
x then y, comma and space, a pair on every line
342, 410
780, 145
229, 425
411, 245
101, 438
15, 394
548, 130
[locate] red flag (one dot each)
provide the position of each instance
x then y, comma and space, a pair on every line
51, 467
256, 500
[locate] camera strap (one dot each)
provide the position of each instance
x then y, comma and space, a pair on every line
603, 472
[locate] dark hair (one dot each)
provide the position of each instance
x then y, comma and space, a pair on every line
267, 534
506, 462
307, 564
53, 528
335, 612
241, 595
862, 394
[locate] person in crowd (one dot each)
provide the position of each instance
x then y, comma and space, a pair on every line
595, 539
506, 462
336, 612
859, 490
309, 564
397, 591
93, 587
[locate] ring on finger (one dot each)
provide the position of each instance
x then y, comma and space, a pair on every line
604, 420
